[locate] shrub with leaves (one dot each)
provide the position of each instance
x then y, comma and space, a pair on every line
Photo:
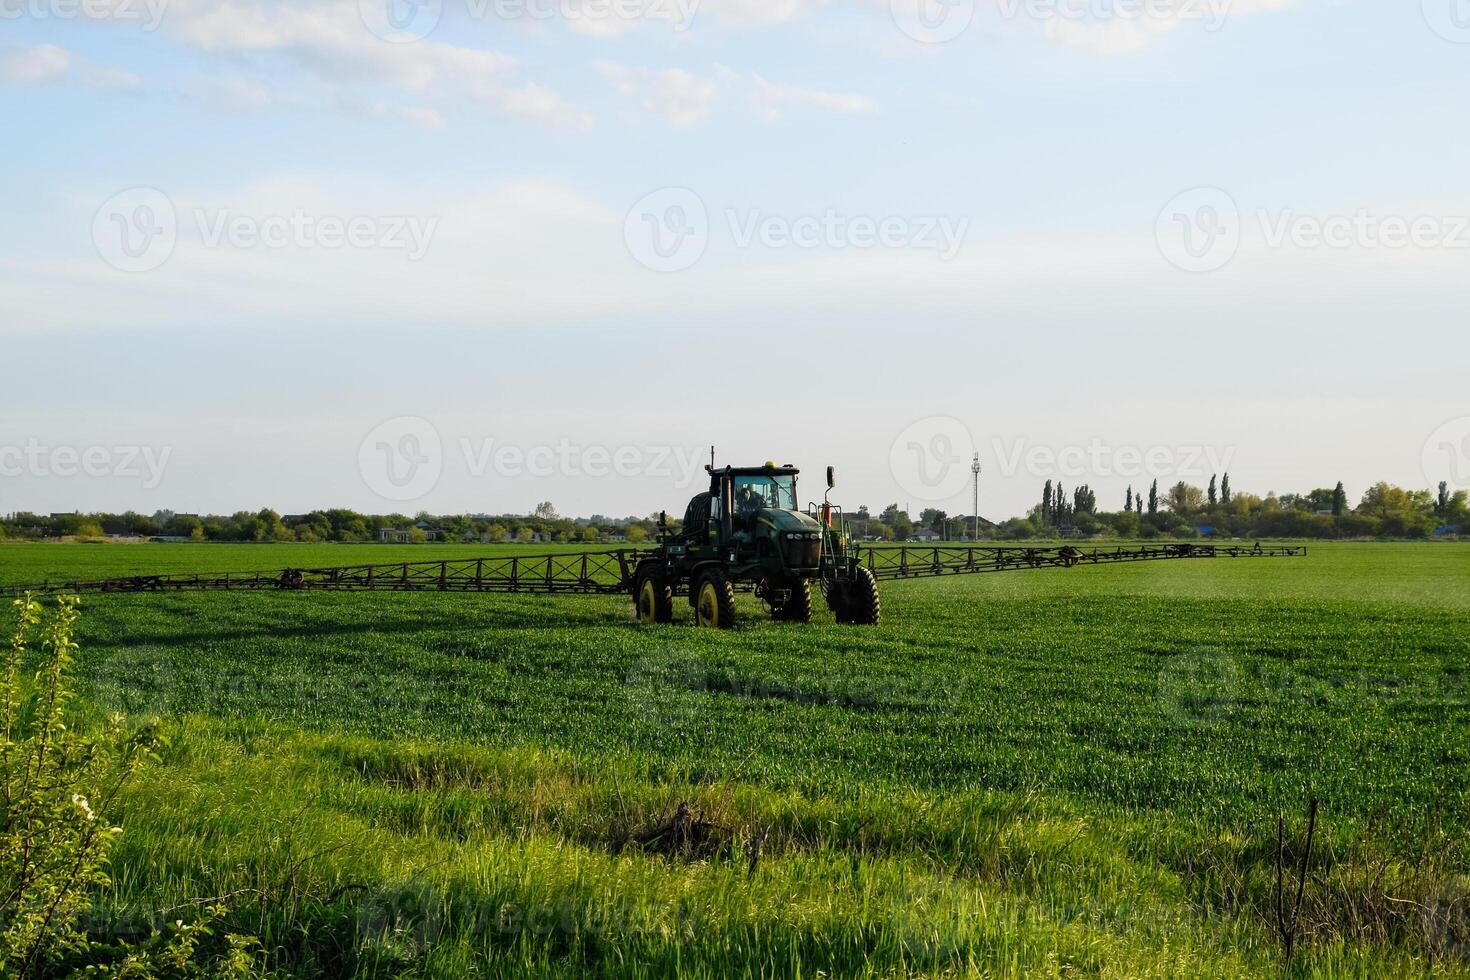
57, 786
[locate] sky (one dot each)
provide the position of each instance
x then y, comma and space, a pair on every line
470, 255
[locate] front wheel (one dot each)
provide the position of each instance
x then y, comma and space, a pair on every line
714, 600
856, 601
798, 609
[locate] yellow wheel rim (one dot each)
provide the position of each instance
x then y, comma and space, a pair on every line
646, 602
709, 606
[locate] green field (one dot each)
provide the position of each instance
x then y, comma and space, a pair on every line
1059, 772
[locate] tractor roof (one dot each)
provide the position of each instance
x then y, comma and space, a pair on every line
768, 470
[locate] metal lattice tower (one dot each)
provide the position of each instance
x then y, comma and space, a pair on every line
975, 520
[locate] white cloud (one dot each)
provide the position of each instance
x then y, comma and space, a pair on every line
109, 79
760, 12
683, 98
536, 103
420, 116
46, 63
771, 98
330, 42
611, 18
1108, 31
240, 95
680, 97
34, 66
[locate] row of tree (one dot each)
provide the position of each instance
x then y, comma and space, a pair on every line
1187, 511
336, 524
1181, 511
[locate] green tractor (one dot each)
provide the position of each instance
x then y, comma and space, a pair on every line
748, 534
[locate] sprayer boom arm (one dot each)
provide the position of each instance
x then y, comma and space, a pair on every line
611, 572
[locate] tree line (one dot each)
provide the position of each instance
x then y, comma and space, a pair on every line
1178, 511
1183, 510
335, 524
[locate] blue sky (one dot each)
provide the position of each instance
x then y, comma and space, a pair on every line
1226, 234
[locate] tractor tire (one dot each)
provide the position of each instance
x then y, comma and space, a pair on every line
653, 596
714, 600
861, 605
836, 598
798, 608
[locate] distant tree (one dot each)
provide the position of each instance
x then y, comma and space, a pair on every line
1153, 498
1225, 489
1138, 505
416, 535
1214, 495
524, 533
545, 511
1128, 501
897, 521
267, 526
1457, 509
1046, 510
1339, 500
1442, 503
636, 534
1126, 524
931, 518
590, 533
1319, 499
1386, 500
1185, 499
1084, 500
88, 527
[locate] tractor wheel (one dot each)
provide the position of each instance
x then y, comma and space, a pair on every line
836, 597
714, 600
653, 596
861, 605
798, 608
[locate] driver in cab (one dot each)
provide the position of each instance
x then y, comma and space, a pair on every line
748, 502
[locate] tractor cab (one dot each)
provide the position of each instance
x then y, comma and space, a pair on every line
749, 512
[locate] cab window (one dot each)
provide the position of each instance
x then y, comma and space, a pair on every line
757, 492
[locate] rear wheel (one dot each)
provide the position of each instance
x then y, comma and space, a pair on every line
714, 600
653, 596
797, 609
